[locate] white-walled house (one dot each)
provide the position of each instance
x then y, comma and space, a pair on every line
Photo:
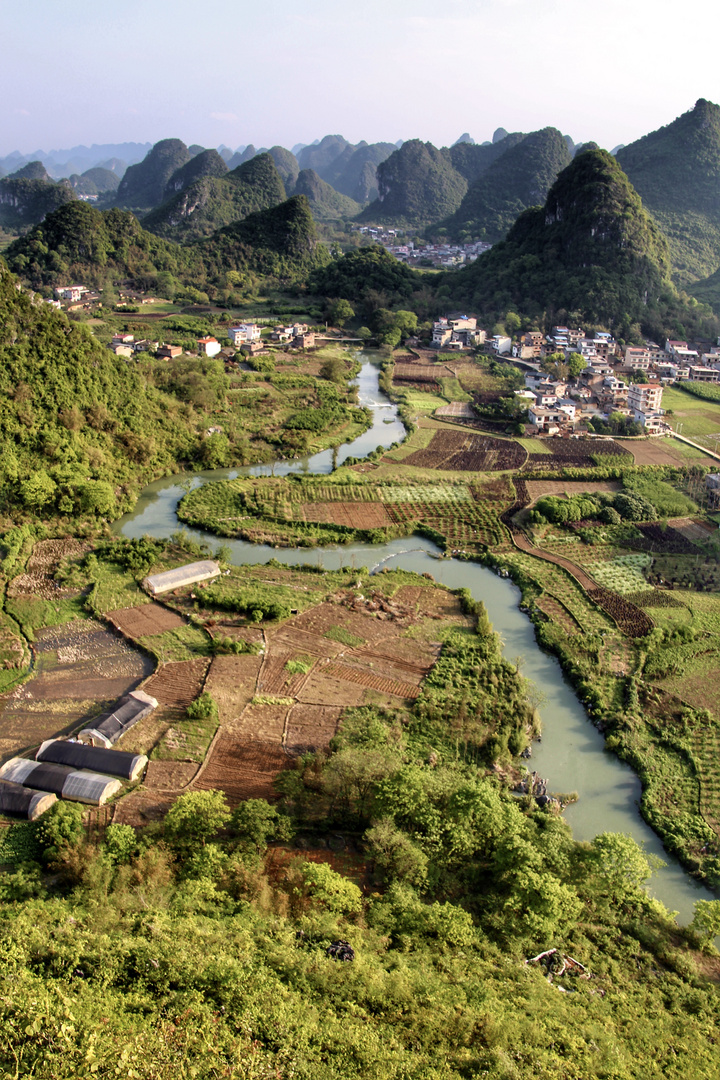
243, 333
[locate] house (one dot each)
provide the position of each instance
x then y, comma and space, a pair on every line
244, 332
208, 346
305, 340
704, 374
652, 420
671, 346
644, 397
70, 292
638, 359
501, 344
282, 334
546, 419
122, 350
123, 339
169, 352
144, 345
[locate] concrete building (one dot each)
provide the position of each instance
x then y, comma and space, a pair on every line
209, 346
645, 397
244, 332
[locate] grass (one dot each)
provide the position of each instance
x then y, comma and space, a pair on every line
421, 402
453, 391
33, 614
186, 740
183, 643
699, 418
535, 446
344, 637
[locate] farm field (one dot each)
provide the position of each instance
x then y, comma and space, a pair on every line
699, 417
666, 451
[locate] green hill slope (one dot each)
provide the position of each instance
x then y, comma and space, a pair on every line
591, 252
93, 247
80, 429
143, 185
204, 164
417, 185
354, 171
518, 178
25, 201
287, 165
213, 201
326, 203
676, 170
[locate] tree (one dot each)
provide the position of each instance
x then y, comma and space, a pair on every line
332, 890
706, 921
576, 364
339, 312
622, 862
120, 842
60, 827
195, 817
38, 490
256, 823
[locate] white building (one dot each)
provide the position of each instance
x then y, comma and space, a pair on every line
243, 333
209, 346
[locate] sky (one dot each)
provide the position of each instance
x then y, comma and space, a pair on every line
291, 71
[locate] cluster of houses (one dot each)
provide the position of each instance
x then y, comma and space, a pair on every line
245, 336
445, 256
609, 382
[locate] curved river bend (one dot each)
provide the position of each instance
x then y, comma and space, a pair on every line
572, 751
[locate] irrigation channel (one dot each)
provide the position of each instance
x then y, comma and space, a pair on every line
571, 754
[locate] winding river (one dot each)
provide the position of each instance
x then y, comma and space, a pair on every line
571, 754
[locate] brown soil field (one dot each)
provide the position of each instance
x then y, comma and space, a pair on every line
274, 678
169, 775
232, 681
322, 689
536, 489
311, 727
659, 452
141, 807
363, 677
144, 620
692, 530
407, 660
420, 372
178, 683
464, 452
243, 769
434, 602
324, 617
262, 723
80, 669
557, 613
295, 640
356, 515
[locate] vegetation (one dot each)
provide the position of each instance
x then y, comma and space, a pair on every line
521, 177
211, 198
593, 252
143, 185
676, 171
25, 201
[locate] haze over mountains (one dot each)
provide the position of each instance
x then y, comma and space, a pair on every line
464, 192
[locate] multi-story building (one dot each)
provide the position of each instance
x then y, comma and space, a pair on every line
645, 397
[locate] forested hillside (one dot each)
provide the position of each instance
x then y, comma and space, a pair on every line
80, 430
143, 185
213, 200
94, 247
521, 177
676, 171
592, 252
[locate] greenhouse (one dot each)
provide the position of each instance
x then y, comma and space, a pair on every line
112, 725
61, 780
180, 576
98, 758
23, 802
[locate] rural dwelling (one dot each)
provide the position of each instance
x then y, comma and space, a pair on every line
169, 352
644, 397
180, 576
122, 350
244, 332
208, 346
19, 801
66, 783
110, 726
98, 758
305, 340
70, 292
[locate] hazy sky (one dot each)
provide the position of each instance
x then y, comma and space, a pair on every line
289, 71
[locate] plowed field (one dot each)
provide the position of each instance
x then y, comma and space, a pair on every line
178, 683
232, 681
363, 677
243, 769
354, 515
147, 619
457, 451
311, 727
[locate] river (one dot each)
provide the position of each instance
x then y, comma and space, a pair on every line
571, 754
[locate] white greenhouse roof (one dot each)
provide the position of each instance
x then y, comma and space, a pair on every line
182, 575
